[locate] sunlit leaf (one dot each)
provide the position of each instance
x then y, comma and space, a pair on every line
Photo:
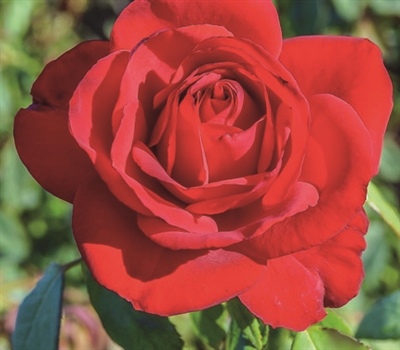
14, 244
388, 213
389, 168
383, 320
385, 7
334, 321
376, 256
350, 10
17, 188
318, 338
16, 17
38, 321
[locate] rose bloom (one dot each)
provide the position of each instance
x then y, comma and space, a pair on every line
206, 158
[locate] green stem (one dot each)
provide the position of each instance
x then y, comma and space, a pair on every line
72, 263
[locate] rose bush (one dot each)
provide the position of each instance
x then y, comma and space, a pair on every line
207, 159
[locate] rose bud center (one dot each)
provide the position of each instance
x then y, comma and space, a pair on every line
214, 133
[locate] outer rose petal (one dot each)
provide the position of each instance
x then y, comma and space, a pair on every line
338, 262
255, 20
288, 295
338, 163
349, 68
154, 279
49, 151
91, 123
90, 113
41, 133
291, 292
56, 84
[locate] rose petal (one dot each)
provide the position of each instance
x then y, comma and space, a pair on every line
291, 292
177, 239
190, 167
232, 155
255, 219
338, 164
151, 66
338, 262
282, 90
288, 295
215, 190
90, 123
233, 226
349, 68
50, 153
255, 20
55, 85
155, 200
152, 278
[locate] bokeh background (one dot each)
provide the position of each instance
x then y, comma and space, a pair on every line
35, 226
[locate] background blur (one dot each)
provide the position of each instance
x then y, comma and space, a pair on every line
35, 226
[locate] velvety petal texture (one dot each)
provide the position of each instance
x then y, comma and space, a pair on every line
255, 20
169, 282
41, 131
49, 151
352, 69
206, 161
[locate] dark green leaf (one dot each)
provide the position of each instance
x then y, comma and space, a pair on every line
308, 17
236, 340
38, 320
129, 328
207, 326
248, 324
334, 321
234, 337
383, 320
318, 338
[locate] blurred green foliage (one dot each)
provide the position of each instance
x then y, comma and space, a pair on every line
35, 226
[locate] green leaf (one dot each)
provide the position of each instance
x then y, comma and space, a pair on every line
388, 213
377, 255
129, 328
249, 325
38, 320
389, 168
383, 320
350, 10
280, 338
318, 338
14, 243
16, 16
334, 321
207, 325
308, 16
234, 337
17, 188
386, 7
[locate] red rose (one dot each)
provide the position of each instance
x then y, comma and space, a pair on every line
207, 159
